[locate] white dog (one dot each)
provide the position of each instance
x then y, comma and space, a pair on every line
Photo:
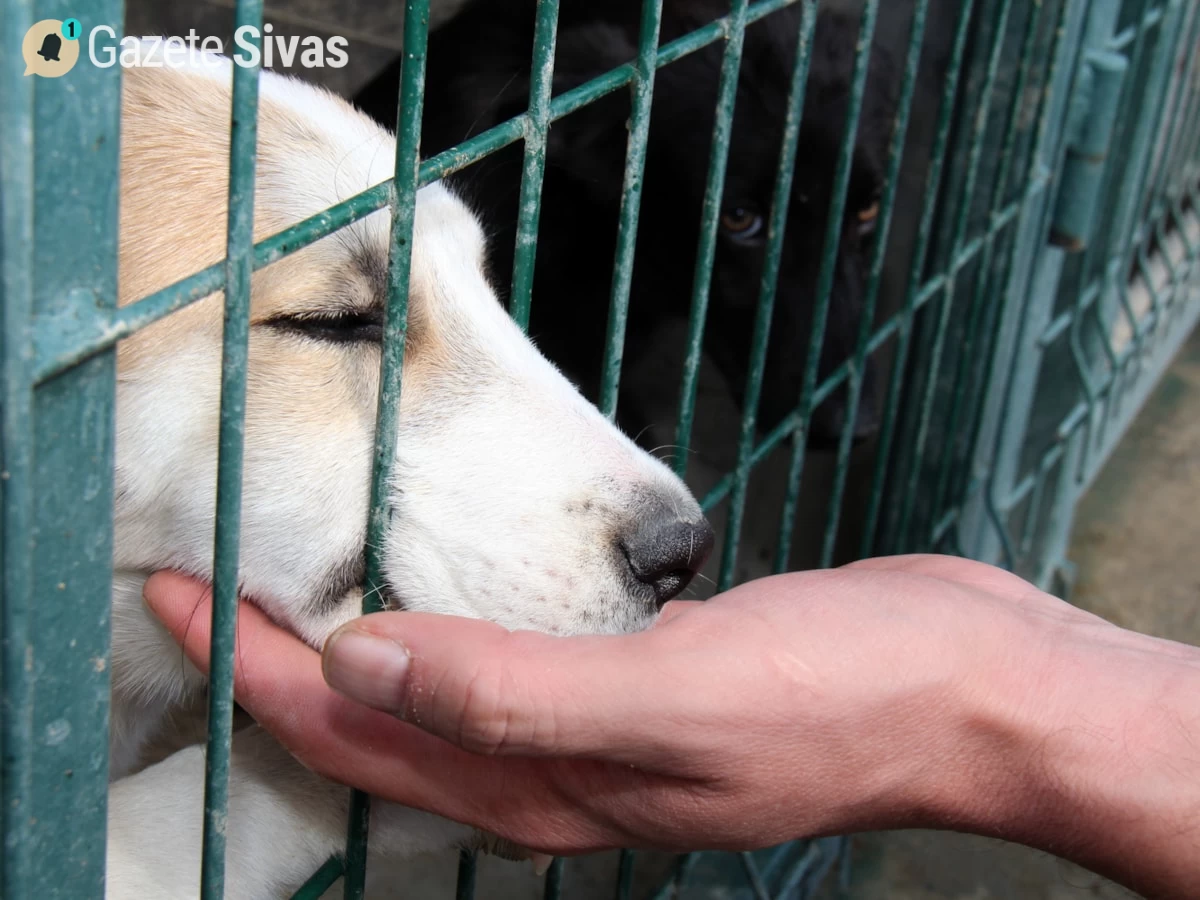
514, 500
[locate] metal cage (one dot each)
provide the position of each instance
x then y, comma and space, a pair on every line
1052, 277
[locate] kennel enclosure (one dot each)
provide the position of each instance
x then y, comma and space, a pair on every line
1052, 276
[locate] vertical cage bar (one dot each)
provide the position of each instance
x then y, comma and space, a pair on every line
710, 218
395, 330
1141, 150
554, 879
465, 883
875, 275
833, 238
625, 866
536, 126
1168, 138
1029, 289
642, 88
60, 435
983, 279
933, 182
961, 222
1102, 394
243, 136
16, 483
776, 229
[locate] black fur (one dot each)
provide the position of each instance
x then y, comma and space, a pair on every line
478, 76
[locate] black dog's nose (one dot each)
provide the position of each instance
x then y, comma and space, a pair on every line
666, 554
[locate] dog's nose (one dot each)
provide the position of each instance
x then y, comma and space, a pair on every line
666, 553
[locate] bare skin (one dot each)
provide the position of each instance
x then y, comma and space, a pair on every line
908, 692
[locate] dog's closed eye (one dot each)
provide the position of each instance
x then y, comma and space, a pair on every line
333, 326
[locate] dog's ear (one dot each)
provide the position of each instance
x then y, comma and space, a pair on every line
590, 143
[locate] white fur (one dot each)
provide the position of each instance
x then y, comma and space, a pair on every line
510, 490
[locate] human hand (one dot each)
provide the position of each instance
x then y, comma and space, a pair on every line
892, 693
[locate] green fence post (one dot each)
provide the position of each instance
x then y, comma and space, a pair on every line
710, 219
874, 276
979, 123
17, 865
631, 201
395, 330
537, 124
234, 357
776, 229
933, 181
59, 152
1028, 292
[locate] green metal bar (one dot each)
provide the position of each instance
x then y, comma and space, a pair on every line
833, 238
17, 864
1163, 127
62, 266
395, 331
58, 352
1167, 157
983, 280
669, 53
684, 863
537, 124
811, 858
920, 250
322, 880
1141, 156
1189, 142
1111, 187
710, 219
243, 140
1030, 289
554, 879
768, 283
754, 877
1140, 326
889, 329
975, 156
465, 884
631, 201
875, 276
59, 348
625, 866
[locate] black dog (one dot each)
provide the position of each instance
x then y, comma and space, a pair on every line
478, 75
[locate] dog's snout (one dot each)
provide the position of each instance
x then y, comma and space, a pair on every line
666, 553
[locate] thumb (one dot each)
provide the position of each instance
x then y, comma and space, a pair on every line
491, 691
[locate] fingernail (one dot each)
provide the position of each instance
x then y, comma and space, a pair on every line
367, 668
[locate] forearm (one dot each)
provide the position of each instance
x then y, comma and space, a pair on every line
1097, 761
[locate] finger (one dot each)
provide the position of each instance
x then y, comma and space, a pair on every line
278, 681
491, 691
269, 662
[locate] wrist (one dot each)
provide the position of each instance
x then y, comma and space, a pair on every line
1076, 743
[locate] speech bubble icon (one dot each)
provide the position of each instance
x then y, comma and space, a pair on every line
45, 52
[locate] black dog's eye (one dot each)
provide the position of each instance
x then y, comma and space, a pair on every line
868, 218
346, 327
741, 224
